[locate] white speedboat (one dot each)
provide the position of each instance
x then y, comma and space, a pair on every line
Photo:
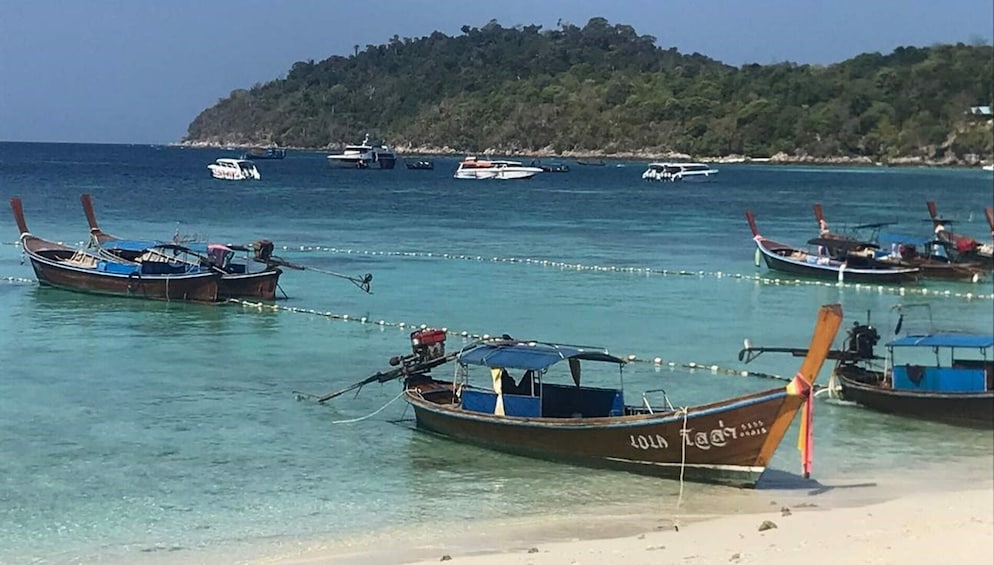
988, 167
364, 156
234, 169
673, 172
473, 168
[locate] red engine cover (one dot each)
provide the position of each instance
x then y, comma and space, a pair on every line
427, 336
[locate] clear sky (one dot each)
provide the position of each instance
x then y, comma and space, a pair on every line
139, 71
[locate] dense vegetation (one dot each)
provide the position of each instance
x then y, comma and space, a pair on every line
604, 88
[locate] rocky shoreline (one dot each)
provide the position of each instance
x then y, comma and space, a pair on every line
642, 155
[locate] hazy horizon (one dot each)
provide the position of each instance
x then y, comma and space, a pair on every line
111, 71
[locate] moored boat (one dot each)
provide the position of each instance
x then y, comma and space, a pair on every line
936, 376
234, 169
237, 279
472, 168
963, 248
154, 276
550, 167
730, 441
887, 249
419, 164
789, 259
264, 153
676, 172
364, 156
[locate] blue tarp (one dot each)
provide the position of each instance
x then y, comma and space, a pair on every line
530, 355
944, 340
887, 239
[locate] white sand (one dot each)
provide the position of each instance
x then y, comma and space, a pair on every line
927, 527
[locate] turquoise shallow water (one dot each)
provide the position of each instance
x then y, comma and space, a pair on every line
127, 426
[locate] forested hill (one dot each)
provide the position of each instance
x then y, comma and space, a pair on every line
604, 88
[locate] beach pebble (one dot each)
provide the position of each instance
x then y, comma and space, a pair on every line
446, 558
533, 550
735, 557
767, 525
785, 511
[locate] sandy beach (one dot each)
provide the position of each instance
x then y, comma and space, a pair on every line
899, 519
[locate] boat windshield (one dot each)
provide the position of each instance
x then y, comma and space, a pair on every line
695, 167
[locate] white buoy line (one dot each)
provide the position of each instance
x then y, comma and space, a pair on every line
657, 361
561, 265
650, 271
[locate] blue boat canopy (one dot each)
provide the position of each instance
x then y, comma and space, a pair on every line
531, 355
977, 341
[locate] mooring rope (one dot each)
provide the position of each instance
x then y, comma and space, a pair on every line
683, 464
371, 414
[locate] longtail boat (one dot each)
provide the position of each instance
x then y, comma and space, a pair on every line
730, 441
901, 251
237, 280
155, 277
932, 375
963, 248
790, 259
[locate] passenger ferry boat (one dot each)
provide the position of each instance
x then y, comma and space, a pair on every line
673, 172
364, 156
234, 169
473, 168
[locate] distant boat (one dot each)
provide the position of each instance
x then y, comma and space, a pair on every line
234, 169
364, 156
674, 172
473, 168
264, 153
597, 163
551, 167
419, 164
988, 167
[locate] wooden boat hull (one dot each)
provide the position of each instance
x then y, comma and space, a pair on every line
787, 259
64, 267
258, 284
201, 287
974, 410
233, 283
950, 271
727, 442
261, 284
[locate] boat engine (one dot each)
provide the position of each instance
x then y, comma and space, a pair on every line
428, 344
263, 250
862, 339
